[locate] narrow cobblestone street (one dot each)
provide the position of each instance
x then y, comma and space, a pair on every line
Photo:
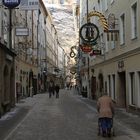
71, 117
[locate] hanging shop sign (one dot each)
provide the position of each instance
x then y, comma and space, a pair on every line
89, 33
86, 48
11, 3
96, 52
21, 31
29, 5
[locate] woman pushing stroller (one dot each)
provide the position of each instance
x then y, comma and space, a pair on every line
105, 107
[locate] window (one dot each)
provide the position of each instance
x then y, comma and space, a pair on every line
99, 5
112, 44
61, 1
106, 43
132, 88
102, 5
122, 29
101, 40
105, 4
111, 1
134, 21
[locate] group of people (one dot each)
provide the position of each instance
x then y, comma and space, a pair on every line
52, 89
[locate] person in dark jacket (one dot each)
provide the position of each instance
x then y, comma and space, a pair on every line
51, 89
57, 90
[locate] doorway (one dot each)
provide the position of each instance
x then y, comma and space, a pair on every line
93, 87
122, 89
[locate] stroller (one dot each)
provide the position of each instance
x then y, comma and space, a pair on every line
105, 127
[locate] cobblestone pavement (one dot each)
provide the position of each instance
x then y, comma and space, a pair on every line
71, 117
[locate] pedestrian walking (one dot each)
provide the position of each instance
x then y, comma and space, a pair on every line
105, 108
57, 90
31, 91
51, 88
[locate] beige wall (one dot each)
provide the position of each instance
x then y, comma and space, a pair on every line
128, 54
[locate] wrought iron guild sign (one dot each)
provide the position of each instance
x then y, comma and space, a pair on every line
89, 32
72, 53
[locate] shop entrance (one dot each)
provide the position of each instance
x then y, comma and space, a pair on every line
121, 89
93, 87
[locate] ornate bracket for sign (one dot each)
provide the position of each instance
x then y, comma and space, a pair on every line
89, 32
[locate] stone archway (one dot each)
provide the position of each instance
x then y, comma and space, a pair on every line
6, 84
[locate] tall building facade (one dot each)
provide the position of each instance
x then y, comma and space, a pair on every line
31, 59
117, 71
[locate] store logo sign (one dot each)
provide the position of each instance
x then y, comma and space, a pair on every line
11, 3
